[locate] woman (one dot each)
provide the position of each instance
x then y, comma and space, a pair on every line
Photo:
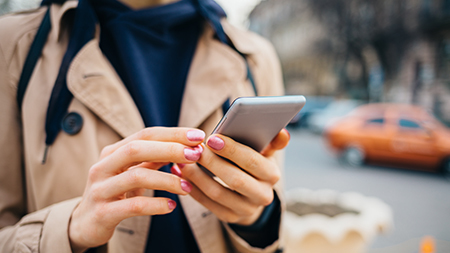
123, 93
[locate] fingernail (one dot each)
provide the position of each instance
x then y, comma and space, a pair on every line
195, 135
191, 154
181, 165
199, 149
289, 134
176, 171
172, 204
216, 143
186, 186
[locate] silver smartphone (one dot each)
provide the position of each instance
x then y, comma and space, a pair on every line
255, 121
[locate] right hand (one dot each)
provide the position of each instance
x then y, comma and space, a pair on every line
116, 183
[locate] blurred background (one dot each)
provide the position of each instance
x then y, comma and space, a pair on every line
376, 77
368, 166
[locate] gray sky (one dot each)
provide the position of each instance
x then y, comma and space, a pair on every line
237, 10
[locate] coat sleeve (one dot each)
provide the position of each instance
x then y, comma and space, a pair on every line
45, 230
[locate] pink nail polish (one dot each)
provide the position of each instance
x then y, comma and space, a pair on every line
191, 154
199, 148
216, 143
195, 135
172, 204
176, 171
186, 186
181, 165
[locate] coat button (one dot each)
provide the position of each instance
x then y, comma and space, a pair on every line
72, 123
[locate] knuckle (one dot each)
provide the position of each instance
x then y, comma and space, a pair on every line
231, 150
107, 150
173, 150
232, 218
161, 206
96, 192
173, 182
145, 134
274, 177
267, 198
237, 182
179, 135
215, 193
207, 160
188, 172
131, 149
248, 211
133, 177
136, 207
94, 172
98, 212
252, 162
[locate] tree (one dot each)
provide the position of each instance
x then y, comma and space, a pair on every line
386, 26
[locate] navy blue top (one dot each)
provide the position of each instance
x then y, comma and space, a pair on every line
151, 50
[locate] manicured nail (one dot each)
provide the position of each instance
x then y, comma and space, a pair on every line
192, 154
199, 149
172, 204
181, 165
186, 186
195, 135
289, 134
216, 143
176, 171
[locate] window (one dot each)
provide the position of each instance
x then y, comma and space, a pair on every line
377, 121
409, 124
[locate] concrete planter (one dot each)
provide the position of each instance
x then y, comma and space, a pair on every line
326, 221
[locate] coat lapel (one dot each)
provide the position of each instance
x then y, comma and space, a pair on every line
94, 82
215, 73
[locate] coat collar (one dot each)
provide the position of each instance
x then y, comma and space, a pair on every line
216, 72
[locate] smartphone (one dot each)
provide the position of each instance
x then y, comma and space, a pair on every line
255, 121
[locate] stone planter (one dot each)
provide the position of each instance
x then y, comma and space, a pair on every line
326, 221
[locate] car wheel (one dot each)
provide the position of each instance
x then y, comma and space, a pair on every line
354, 156
446, 167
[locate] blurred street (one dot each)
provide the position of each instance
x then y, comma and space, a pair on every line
420, 201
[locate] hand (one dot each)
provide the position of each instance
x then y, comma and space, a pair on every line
117, 182
248, 182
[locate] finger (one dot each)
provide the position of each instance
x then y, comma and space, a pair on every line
139, 151
245, 157
137, 178
186, 136
258, 192
279, 142
215, 191
223, 213
152, 165
138, 206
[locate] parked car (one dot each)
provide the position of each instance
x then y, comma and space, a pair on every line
393, 134
332, 112
314, 104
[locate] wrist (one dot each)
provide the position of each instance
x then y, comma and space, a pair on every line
74, 236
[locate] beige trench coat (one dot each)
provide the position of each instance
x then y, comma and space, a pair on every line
35, 206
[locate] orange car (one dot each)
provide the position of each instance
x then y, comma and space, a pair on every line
393, 134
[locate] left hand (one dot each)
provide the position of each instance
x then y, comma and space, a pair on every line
250, 186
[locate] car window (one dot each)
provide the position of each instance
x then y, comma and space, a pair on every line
408, 124
376, 121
